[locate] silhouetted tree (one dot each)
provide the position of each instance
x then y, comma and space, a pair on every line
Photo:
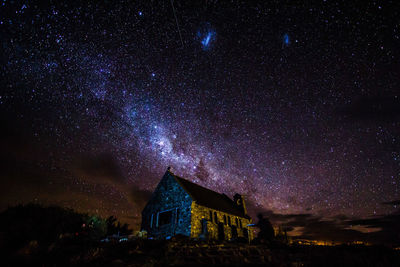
114, 227
95, 227
24, 223
266, 230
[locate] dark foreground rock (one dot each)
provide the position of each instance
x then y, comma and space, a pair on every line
190, 253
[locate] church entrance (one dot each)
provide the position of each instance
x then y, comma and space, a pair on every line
221, 233
245, 233
234, 232
204, 231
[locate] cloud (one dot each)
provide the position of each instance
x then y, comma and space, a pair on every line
389, 225
22, 179
394, 203
373, 108
104, 169
254, 209
340, 228
140, 197
27, 180
98, 168
93, 183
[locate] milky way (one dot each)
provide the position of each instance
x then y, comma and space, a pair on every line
296, 107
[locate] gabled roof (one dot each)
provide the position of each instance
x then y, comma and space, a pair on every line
208, 198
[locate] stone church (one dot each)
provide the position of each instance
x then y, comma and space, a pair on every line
178, 206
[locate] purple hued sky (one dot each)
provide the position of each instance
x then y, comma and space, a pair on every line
294, 106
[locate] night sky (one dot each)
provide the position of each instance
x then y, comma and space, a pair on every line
294, 105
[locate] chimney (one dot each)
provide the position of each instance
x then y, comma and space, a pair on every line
239, 201
169, 171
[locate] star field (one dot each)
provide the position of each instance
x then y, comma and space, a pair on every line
295, 106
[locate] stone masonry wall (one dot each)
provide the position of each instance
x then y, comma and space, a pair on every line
168, 196
198, 213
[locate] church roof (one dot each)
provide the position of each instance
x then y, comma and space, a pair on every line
208, 198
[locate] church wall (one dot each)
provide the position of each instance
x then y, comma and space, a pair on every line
168, 212
198, 213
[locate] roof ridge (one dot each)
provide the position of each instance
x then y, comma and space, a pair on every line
209, 198
186, 180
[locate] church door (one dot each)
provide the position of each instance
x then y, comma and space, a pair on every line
245, 233
234, 232
221, 233
204, 230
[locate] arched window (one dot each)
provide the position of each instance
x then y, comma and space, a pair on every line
210, 215
215, 217
224, 219
229, 220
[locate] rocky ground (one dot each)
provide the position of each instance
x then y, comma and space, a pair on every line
190, 253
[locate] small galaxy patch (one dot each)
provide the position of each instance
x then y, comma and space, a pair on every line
206, 36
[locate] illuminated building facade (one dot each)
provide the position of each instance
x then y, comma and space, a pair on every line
178, 206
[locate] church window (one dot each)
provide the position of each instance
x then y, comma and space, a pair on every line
165, 217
